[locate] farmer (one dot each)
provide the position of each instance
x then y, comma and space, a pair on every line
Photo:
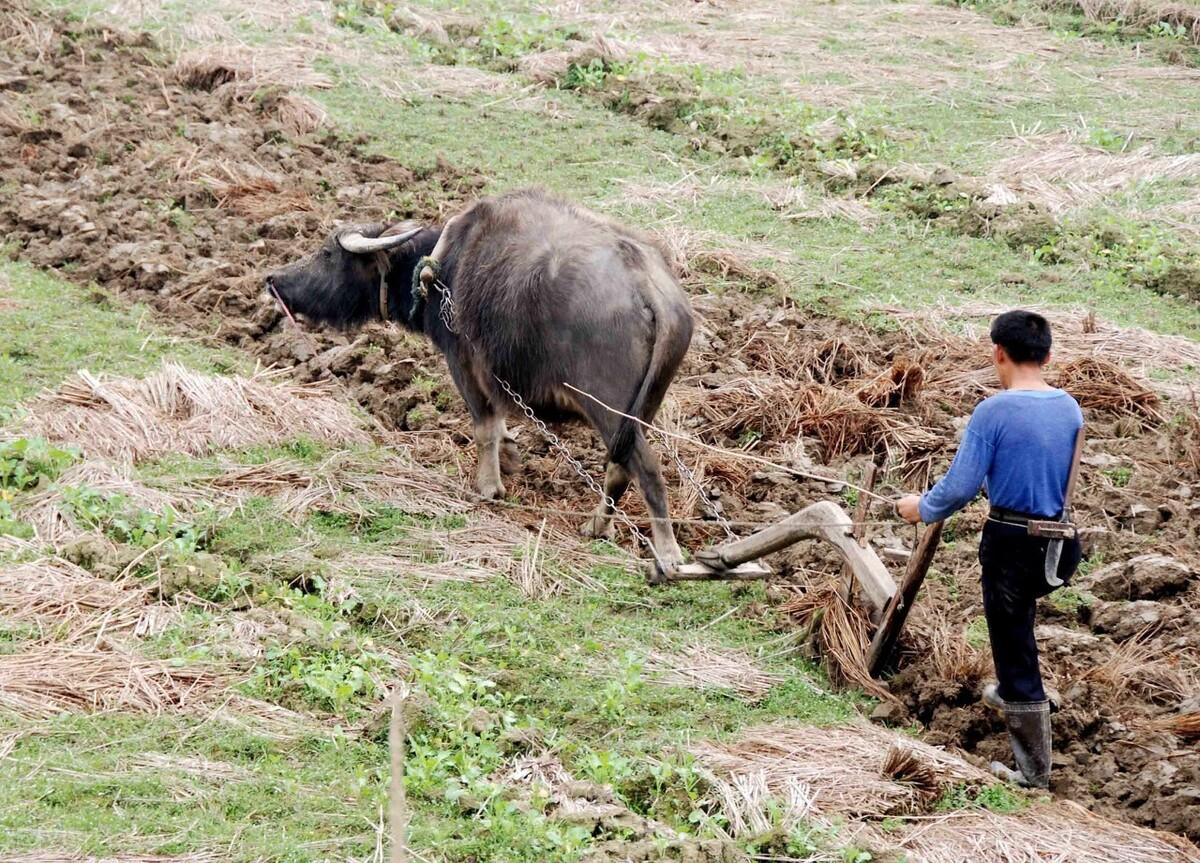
1020, 446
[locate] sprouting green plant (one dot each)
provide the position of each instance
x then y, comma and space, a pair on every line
29, 462
585, 76
619, 695
998, 798
10, 525
1120, 477
1107, 139
1167, 30
116, 517
977, 632
329, 678
1069, 600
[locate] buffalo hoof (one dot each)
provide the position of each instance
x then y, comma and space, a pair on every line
510, 458
492, 491
663, 567
598, 528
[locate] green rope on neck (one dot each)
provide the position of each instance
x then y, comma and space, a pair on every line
419, 292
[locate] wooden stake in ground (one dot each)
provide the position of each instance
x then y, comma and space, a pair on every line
397, 803
901, 604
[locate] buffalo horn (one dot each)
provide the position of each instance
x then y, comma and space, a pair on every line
354, 241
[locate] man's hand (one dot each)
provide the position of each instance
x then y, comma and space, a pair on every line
909, 508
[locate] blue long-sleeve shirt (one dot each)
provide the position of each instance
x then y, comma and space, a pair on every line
1018, 445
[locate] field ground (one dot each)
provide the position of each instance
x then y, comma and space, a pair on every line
213, 576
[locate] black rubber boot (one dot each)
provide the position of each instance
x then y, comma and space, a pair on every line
1029, 733
991, 697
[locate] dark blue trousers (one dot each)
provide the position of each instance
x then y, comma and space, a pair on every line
1013, 580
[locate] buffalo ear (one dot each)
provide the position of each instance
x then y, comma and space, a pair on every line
357, 243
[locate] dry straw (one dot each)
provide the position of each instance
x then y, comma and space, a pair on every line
176, 410
840, 632
1061, 831
1098, 383
54, 521
1185, 724
487, 548
64, 601
1078, 335
1141, 666
863, 773
24, 32
256, 194
246, 69
702, 667
51, 679
73, 857
1056, 172
843, 766
345, 482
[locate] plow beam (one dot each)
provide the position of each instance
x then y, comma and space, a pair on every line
824, 520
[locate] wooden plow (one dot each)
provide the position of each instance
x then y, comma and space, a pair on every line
889, 603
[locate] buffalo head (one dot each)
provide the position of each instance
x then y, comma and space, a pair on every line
338, 284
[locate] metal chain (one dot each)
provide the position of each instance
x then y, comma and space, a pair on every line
712, 506
449, 314
561, 448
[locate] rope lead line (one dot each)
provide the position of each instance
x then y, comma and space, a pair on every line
732, 453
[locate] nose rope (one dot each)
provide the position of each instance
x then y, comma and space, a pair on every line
282, 304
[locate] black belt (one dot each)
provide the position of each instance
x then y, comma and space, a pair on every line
1014, 517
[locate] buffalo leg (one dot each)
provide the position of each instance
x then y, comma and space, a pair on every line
645, 466
600, 525
510, 456
489, 433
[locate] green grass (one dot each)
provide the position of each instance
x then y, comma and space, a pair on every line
495, 673
52, 328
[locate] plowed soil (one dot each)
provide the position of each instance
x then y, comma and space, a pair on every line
182, 197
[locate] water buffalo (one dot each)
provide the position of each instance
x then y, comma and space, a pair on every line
544, 293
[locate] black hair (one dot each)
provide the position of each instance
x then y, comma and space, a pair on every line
1025, 336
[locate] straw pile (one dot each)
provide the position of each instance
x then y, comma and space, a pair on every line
703, 667
51, 679
23, 33
753, 809
487, 548
843, 766
839, 632
345, 482
179, 411
549, 67
256, 194
1185, 724
61, 599
1060, 831
863, 773
893, 386
1077, 335
1097, 383
245, 69
951, 657
1059, 174
1140, 665
1140, 14
843, 424
53, 520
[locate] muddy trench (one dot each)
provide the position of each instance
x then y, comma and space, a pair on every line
180, 192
